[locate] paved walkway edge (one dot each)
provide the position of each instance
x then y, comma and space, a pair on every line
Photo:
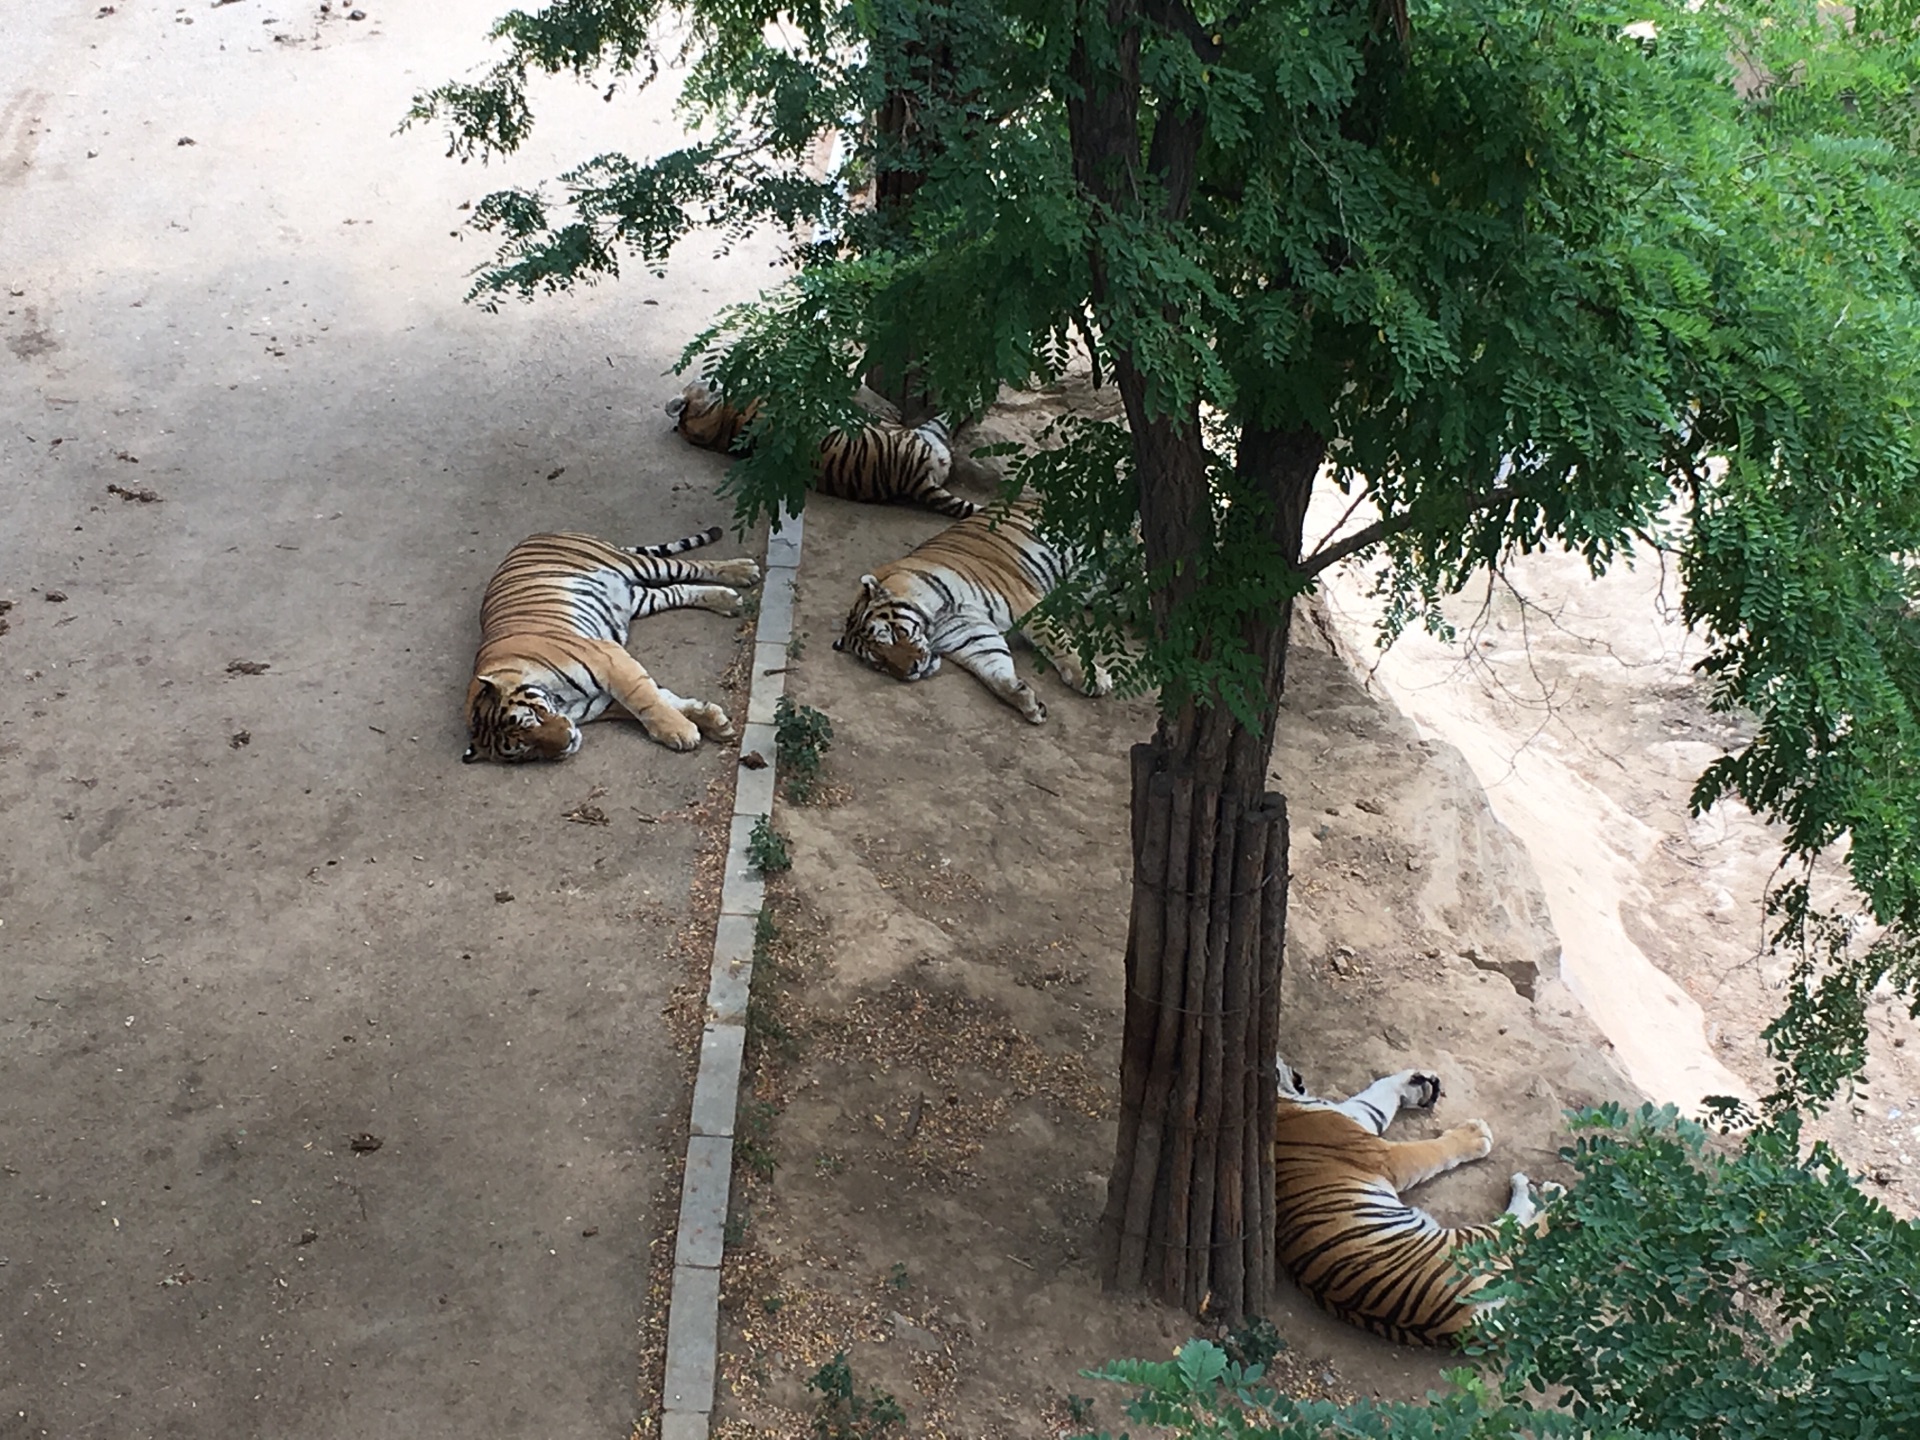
693, 1315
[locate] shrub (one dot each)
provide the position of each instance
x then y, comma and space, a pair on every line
844, 1414
801, 736
767, 848
1678, 1292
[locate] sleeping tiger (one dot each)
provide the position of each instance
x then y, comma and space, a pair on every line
553, 634
882, 461
1344, 1233
957, 595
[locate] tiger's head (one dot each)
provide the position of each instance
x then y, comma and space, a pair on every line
515, 722
888, 633
702, 415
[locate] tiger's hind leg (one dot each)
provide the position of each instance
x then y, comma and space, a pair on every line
675, 722
652, 599
1047, 639
1375, 1106
1409, 1162
931, 490
977, 647
1520, 1198
742, 570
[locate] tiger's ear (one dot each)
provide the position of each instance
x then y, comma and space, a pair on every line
677, 404
487, 683
869, 586
841, 643
470, 756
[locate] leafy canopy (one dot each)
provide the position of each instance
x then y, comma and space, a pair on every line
1586, 275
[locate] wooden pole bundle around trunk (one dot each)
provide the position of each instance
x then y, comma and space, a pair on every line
1190, 1206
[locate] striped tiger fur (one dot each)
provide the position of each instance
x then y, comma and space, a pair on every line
553, 634
1344, 1233
957, 595
877, 463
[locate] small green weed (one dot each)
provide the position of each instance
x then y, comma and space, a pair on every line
802, 735
767, 848
766, 1029
842, 1414
1079, 1409
898, 1277
1254, 1343
734, 1233
751, 1132
796, 646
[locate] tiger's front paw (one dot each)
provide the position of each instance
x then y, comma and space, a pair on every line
738, 572
1101, 684
673, 730
1477, 1135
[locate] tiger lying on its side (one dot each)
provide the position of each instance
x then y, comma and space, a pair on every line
553, 634
957, 595
1344, 1233
880, 462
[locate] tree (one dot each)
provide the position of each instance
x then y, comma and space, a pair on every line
1518, 274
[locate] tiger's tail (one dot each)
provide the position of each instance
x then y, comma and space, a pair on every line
676, 547
945, 502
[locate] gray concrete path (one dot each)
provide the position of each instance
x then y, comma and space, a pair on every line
244, 918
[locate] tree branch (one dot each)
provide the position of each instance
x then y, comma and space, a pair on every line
1476, 502
1173, 158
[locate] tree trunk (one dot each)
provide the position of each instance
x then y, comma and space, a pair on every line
1189, 1209
900, 172
1190, 1200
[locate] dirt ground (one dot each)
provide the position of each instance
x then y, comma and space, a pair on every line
248, 916
934, 1101
936, 1075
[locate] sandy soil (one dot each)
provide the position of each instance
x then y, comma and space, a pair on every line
1575, 704
933, 1104
246, 917
943, 1076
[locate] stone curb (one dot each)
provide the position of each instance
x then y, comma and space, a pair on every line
693, 1315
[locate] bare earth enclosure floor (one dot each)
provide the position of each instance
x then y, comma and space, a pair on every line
936, 1090
933, 1108
251, 913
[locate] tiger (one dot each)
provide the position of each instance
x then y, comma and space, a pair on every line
957, 595
880, 462
1342, 1230
553, 633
